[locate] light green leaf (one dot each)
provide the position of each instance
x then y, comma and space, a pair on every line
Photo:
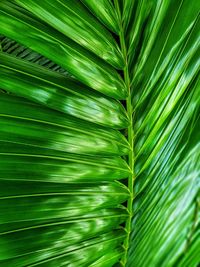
105, 12
166, 140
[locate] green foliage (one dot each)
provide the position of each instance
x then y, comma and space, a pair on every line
99, 133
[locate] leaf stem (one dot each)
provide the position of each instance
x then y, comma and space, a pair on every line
129, 109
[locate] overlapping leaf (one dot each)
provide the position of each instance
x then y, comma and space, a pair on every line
44, 39
74, 21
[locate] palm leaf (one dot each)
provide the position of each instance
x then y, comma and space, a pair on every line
99, 139
41, 86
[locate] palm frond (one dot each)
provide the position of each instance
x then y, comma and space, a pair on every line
99, 133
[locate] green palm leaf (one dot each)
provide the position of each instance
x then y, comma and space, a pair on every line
99, 133
42, 86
